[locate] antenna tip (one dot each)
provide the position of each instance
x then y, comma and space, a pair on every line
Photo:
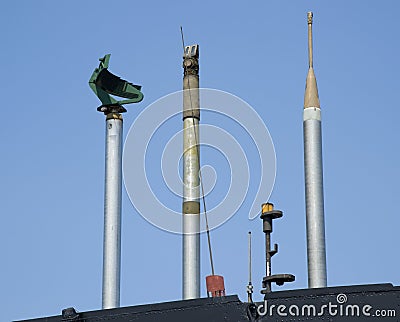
309, 17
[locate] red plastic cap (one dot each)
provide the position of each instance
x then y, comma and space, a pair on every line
215, 285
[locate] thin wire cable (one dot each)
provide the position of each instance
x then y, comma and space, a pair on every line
200, 174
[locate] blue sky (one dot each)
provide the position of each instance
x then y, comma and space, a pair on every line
53, 141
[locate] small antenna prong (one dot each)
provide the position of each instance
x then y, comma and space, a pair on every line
249, 257
183, 40
310, 47
311, 95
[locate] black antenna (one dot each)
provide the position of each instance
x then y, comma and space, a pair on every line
183, 40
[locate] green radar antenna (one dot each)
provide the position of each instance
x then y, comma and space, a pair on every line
103, 83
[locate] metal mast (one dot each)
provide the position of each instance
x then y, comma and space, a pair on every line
191, 180
314, 194
112, 211
103, 83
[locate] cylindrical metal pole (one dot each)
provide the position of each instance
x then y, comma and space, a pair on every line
112, 212
316, 253
314, 199
191, 181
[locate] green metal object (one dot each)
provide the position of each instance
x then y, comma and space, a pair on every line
103, 83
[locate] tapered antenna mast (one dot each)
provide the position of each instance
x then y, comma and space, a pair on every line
311, 98
314, 194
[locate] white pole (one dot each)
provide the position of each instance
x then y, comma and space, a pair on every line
112, 212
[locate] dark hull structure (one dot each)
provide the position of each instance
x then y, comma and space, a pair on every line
378, 302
